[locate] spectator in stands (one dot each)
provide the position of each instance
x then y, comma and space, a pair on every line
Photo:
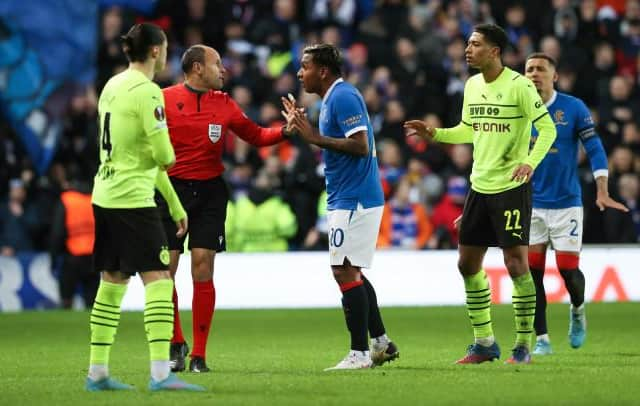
404, 224
630, 45
374, 103
358, 73
618, 108
621, 162
588, 26
110, 57
243, 96
517, 32
433, 154
551, 46
392, 165
317, 238
447, 210
9, 158
394, 116
302, 185
72, 237
201, 16
461, 160
594, 81
620, 227
631, 137
18, 220
260, 221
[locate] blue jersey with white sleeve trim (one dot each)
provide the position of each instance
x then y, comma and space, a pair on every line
350, 179
555, 180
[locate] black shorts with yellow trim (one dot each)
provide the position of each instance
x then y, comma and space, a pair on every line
129, 240
497, 220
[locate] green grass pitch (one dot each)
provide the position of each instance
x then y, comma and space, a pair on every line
276, 357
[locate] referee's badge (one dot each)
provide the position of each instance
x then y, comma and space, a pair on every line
215, 132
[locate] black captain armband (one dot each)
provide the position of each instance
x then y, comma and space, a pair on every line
587, 133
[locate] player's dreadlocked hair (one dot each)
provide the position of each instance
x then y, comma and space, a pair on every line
141, 37
326, 55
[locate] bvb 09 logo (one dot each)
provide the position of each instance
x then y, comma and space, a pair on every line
164, 255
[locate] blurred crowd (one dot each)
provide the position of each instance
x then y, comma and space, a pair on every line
407, 59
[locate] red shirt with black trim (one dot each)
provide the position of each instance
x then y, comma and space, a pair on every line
198, 123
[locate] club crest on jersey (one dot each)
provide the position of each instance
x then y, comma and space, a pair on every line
164, 255
215, 132
558, 118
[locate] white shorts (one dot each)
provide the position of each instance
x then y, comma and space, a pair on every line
560, 227
353, 235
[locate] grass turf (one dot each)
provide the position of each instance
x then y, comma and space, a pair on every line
276, 357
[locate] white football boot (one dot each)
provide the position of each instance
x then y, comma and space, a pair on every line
353, 360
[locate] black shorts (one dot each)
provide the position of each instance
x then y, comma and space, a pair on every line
500, 219
206, 204
129, 240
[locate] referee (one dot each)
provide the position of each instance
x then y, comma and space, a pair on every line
199, 116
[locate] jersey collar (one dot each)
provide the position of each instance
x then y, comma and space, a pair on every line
326, 95
192, 90
552, 99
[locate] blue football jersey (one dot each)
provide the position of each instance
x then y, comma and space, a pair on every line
555, 180
350, 179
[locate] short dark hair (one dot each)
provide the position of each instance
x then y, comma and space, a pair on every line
141, 37
493, 34
542, 55
326, 55
194, 54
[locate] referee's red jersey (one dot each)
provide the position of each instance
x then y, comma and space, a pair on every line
198, 123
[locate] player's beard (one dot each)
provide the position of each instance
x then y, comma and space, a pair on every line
309, 88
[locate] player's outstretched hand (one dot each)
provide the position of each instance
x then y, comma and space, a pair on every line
289, 104
606, 201
302, 125
182, 225
419, 128
522, 173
